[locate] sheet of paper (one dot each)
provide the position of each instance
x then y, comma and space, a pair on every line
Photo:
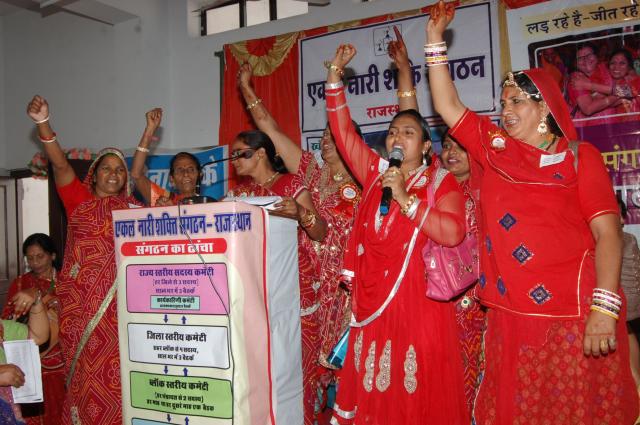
266, 202
26, 356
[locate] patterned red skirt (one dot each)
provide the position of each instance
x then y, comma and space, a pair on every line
536, 373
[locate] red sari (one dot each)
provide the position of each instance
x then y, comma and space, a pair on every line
52, 361
89, 270
470, 315
290, 185
403, 366
538, 273
336, 202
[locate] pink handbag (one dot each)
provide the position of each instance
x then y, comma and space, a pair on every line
449, 271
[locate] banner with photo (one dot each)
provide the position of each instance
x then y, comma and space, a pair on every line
371, 77
592, 49
213, 181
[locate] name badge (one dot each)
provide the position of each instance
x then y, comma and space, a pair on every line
546, 160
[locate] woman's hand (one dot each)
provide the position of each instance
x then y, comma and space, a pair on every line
11, 376
580, 82
164, 201
38, 109
441, 15
23, 301
599, 334
398, 50
394, 179
288, 207
344, 54
154, 118
243, 77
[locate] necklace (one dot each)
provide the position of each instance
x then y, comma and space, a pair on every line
268, 181
414, 171
546, 145
338, 177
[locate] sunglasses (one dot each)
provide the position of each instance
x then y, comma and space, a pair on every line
242, 153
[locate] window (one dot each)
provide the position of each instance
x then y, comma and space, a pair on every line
234, 14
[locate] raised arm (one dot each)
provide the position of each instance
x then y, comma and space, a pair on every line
406, 89
445, 97
356, 154
38, 111
138, 175
289, 151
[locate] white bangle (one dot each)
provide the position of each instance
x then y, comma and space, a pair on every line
42, 120
53, 139
142, 149
333, 86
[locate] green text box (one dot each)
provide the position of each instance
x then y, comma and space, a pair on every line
183, 395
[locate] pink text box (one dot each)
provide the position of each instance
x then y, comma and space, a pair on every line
150, 286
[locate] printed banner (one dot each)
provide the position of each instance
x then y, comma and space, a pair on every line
213, 182
194, 316
592, 51
371, 77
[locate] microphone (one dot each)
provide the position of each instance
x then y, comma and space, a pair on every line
395, 160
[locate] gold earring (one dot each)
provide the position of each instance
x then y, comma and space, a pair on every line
543, 128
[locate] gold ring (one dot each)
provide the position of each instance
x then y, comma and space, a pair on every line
603, 344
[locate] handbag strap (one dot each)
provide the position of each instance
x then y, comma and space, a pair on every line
91, 326
441, 173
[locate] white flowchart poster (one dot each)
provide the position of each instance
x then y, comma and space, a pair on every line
193, 313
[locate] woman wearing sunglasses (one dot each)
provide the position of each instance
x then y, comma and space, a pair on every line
254, 157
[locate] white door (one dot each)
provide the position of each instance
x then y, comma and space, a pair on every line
9, 251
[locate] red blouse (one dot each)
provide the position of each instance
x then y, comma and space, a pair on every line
537, 250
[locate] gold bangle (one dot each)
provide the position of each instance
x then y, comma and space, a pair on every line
408, 93
254, 104
334, 68
405, 208
308, 219
603, 311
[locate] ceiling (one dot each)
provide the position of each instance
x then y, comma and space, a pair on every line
97, 10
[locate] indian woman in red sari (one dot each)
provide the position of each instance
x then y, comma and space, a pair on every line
399, 367
470, 315
88, 319
254, 157
184, 169
555, 350
336, 195
43, 261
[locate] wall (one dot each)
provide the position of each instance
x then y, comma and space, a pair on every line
3, 144
101, 79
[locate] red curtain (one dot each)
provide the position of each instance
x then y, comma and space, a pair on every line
278, 90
